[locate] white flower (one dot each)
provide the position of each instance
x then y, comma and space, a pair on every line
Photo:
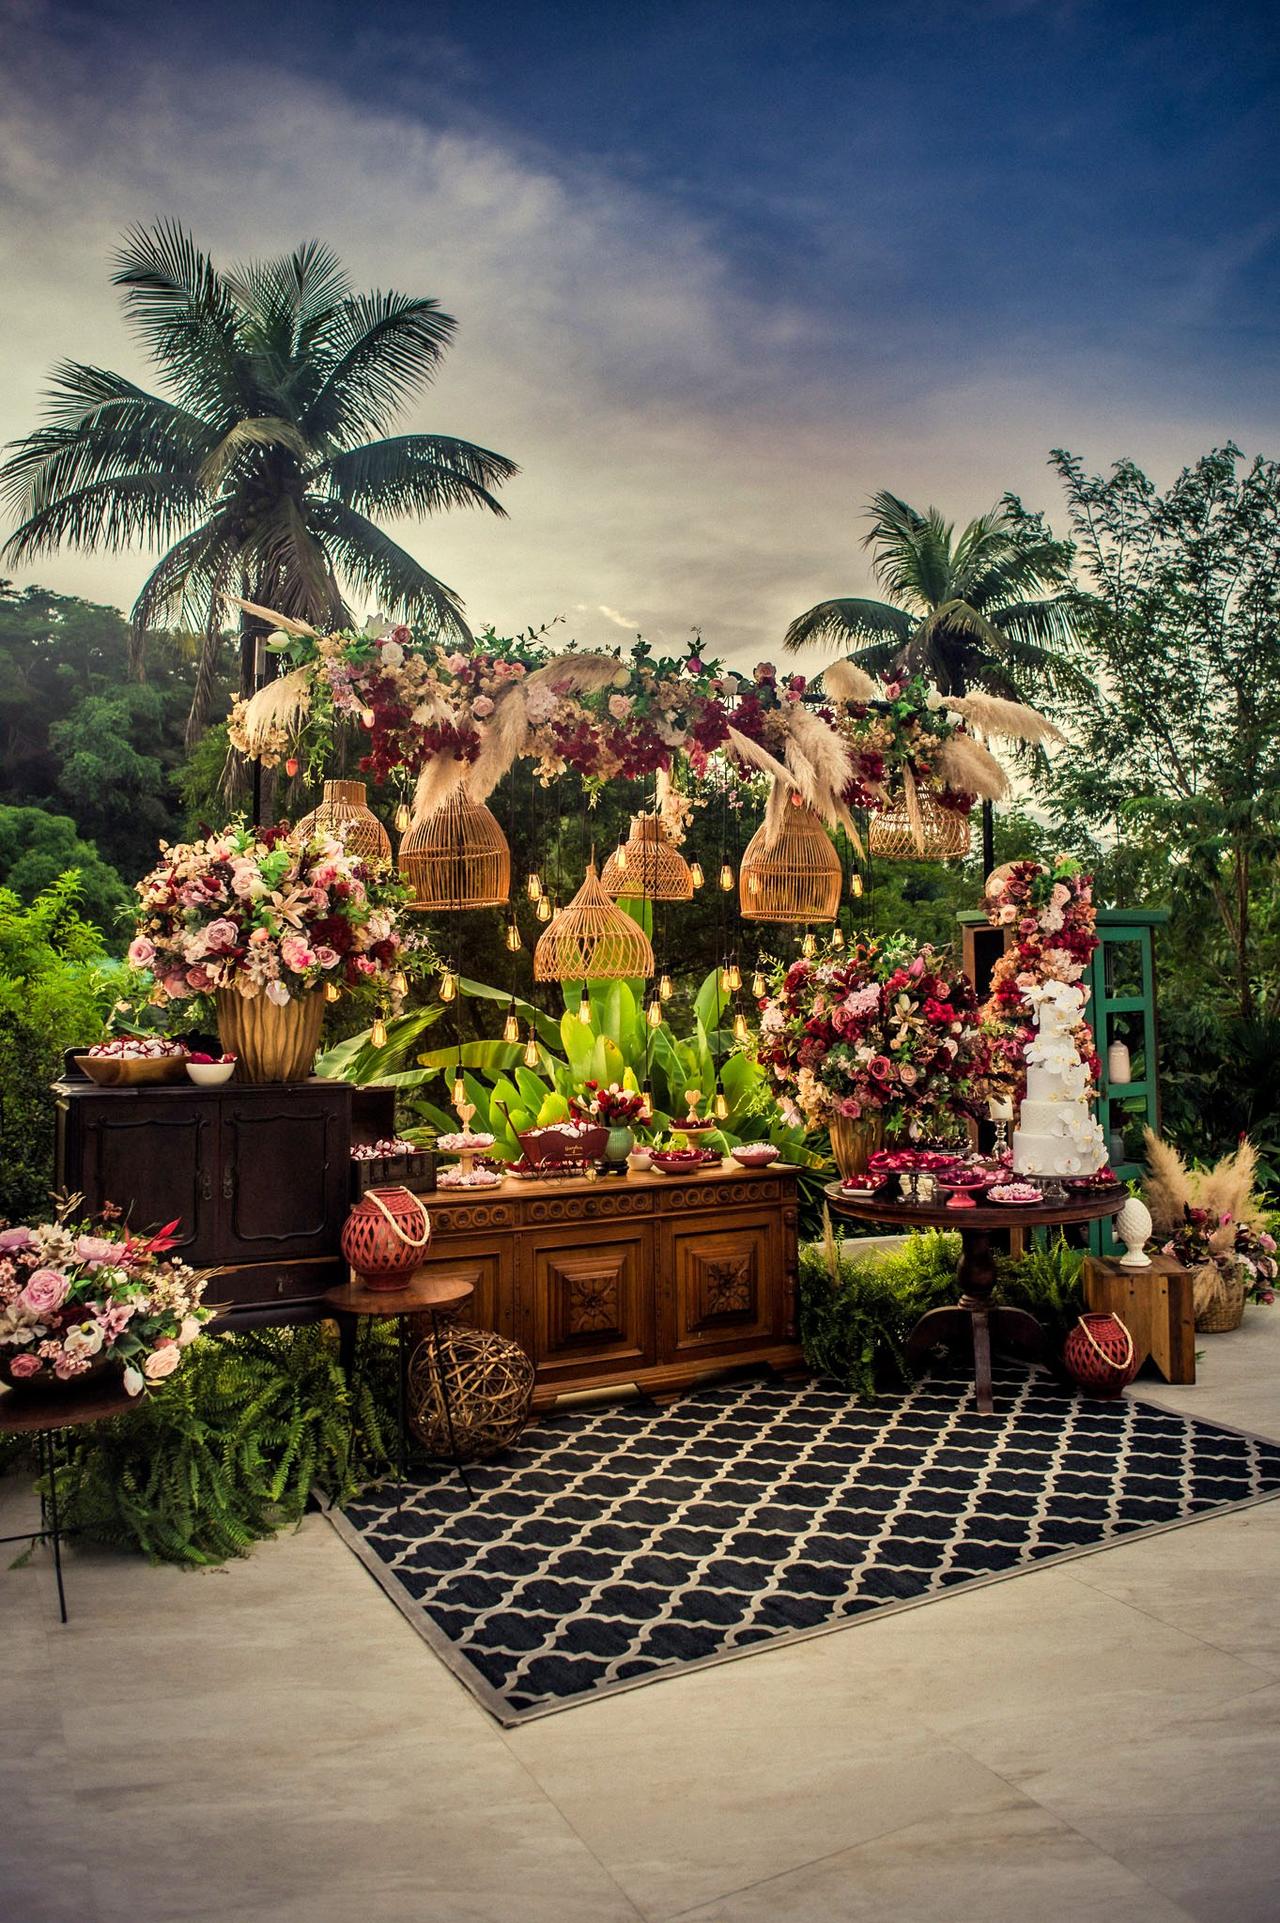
392, 654
278, 993
133, 1381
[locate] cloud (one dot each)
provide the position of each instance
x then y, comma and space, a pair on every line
692, 451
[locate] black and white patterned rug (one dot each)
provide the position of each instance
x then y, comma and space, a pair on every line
611, 1546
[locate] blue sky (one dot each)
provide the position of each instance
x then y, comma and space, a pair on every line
720, 270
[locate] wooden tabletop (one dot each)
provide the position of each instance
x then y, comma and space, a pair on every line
66, 1406
421, 1294
1081, 1207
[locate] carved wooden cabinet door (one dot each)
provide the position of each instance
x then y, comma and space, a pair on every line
723, 1284
585, 1300
156, 1160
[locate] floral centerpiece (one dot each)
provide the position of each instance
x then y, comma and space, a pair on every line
879, 1039
1049, 909
78, 1297
259, 921
1231, 1262
616, 1108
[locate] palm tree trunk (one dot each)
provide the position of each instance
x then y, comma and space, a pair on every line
202, 695
988, 839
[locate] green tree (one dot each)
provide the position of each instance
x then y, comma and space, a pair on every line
1178, 755
259, 465
36, 847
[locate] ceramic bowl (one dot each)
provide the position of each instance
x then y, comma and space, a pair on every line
757, 1155
210, 1074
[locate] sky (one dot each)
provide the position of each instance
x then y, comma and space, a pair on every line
719, 270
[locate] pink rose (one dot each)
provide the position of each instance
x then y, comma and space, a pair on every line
482, 706
141, 952
295, 954
96, 1249
162, 1362
455, 663
222, 934
880, 1066
619, 706
45, 1293
15, 1238
24, 1365
908, 1075
327, 957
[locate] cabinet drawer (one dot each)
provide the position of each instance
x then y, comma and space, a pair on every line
265, 1285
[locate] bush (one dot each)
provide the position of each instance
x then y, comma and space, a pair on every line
54, 995
36, 847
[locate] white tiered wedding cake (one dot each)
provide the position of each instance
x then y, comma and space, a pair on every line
1057, 1133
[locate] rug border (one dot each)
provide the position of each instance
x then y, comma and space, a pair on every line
507, 1718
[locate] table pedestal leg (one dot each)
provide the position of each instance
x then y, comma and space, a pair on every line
49, 1456
975, 1316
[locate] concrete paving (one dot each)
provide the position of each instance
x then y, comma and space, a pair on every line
271, 1742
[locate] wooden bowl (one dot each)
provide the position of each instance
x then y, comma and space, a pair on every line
683, 1165
132, 1071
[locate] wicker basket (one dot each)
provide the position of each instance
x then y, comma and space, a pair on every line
490, 1385
344, 812
592, 940
655, 870
457, 857
796, 878
1218, 1299
938, 835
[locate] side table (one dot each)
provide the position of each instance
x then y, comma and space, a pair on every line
423, 1294
1155, 1306
47, 1414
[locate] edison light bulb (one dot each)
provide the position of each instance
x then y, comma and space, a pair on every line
735, 977
448, 985
514, 942
725, 986
696, 875
620, 857
837, 937
459, 1087
741, 1033
720, 1107
666, 987
533, 887
332, 992
726, 878
544, 910
399, 984
653, 1014
378, 1034
402, 817
646, 1096
809, 946
531, 1051
511, 1027
584, 1009
759, 986
855, 884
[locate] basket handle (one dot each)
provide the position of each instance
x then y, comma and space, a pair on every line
394, 1226
1100, 1351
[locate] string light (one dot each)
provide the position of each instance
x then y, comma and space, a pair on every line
759, 986
666, 987
459, 1087
741, 1033
511, 1026
533, 887
726, 879
403, 817
696, 875
726, 986
514, 943
809, 946
378, 1033
837, 937
735, 977
399, 984
620, 856
544, 909
653, 1014
646, 1096
855, 884
584, 1008
531, 1049
332, 992
448, 985
720, 1107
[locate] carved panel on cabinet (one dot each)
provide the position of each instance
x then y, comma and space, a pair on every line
591, 1300
727, 1283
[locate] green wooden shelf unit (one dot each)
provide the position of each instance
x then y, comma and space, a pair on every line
1122, 1007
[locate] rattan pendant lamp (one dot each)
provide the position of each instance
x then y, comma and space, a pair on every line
915, 827
654, 869
796, 877
345, 813
456, 857
592, 940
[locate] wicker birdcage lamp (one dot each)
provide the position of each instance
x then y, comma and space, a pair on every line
345, 813
456, 857
655, 869
795, 878
930, 832
592, 940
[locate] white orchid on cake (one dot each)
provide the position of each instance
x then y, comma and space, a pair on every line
1057, 1133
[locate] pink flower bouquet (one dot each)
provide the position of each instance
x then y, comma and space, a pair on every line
76, 1298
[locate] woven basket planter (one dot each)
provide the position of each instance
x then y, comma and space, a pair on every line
457, 857
1218, 1299
490, 1384
655, 870
796, 878
939, 834
345, 813
591, 940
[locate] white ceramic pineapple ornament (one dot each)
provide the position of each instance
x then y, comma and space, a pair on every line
1133, 1227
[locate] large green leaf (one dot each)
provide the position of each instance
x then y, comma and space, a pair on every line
545, 1026
579, 1045
356, 1060
494, 1058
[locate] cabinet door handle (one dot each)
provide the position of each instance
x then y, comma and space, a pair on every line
206, 1186
228, 1183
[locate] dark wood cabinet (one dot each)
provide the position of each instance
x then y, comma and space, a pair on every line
257, 1177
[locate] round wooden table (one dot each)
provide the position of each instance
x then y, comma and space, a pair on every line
975, 1316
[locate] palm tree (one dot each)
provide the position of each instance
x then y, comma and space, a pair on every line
990, 611
258, 466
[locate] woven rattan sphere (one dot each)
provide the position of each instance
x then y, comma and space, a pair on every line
344, 812
457, 857
942, 833
592, 940
796, 878
490, 1383
655, 870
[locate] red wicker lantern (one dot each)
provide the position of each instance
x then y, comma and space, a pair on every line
1099, 1355
385, 1237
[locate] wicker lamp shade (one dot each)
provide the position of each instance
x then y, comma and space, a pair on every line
592, 940
941, 834
456, 857
796, 878
345, 812
655, 870
490, 1384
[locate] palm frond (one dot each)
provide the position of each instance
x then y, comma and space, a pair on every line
302, 290
185, 313
911, 551
290, 563
851, 619
100, 426
416, 474
381, 349
182, 588
267, 430
112, 514
380, 568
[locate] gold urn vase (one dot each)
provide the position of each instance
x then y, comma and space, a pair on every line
854, 1143
270, 1043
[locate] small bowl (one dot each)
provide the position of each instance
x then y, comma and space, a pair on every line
758, 1156
210, 1074
864, 1185
682, 1165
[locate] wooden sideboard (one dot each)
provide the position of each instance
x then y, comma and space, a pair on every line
648, 1279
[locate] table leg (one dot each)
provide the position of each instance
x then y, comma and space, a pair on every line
49, 1454
982, 1361
402, 1446
438, 1357
977, 1318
